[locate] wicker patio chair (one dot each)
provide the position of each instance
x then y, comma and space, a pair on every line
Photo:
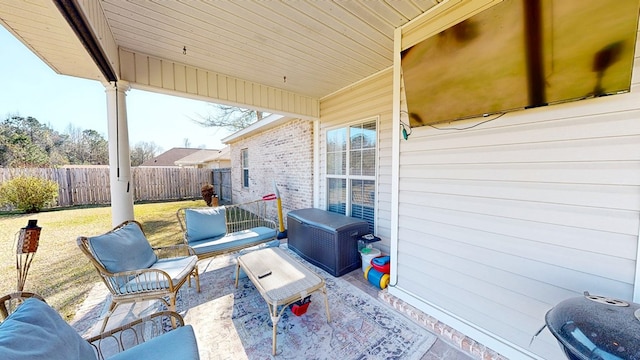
124, 337
10, 302
134, 271
162, 333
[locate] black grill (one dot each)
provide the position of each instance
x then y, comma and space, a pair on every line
596, 327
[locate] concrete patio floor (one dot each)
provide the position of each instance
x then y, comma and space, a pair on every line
89, 318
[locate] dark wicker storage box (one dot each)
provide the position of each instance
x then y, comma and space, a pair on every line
325, 239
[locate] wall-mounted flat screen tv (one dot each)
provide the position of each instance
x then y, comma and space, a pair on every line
520, 54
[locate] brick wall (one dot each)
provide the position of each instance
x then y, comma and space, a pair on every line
283, 154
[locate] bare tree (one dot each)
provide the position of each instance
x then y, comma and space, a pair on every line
142, 152
230, 117
86, 146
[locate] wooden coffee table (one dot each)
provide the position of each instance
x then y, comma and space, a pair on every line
281, 280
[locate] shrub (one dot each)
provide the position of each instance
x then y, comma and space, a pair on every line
28, 193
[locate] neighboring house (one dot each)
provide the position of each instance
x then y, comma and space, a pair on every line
206, 158
169, 157
276, 151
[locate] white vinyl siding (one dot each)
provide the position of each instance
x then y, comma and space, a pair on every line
364, 100
148, 72
500, 222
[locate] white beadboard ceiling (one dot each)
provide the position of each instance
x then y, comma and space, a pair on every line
41, 27
320, 46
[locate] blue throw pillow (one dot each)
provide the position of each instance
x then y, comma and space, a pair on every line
124, 249
36, 331
205, 223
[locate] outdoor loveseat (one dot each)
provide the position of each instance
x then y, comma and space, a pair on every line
36, 331
212, 231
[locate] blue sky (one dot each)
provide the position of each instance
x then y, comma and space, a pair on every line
30, 88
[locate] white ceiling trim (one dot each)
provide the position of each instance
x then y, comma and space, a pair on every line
40, 26
95, 19
146, 71
447, 14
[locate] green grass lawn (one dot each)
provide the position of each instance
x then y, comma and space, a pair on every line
59, 271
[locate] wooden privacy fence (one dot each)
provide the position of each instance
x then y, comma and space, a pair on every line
90, 185
222, 185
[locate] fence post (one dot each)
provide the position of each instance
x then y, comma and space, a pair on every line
69, 187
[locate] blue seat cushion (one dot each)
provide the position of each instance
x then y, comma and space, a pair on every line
205, 223
176, 344
236, 239
36, 331
177, 268
124, 249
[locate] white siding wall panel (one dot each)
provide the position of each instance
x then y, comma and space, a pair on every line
179, 77
543, 193
168, 78
530, 213
442, 289
202, 82
618, 244
367, 99
191, 78
155, 72
500, 222
601, 265
144, 71
141, 66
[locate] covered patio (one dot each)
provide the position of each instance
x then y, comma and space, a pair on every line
224, 330
489, 221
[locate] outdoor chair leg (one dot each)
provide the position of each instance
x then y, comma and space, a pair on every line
196, 275
172, 307
112, 307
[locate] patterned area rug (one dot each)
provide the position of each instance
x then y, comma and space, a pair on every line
234, 323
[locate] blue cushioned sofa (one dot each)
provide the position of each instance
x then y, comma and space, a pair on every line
36, 331
212, 231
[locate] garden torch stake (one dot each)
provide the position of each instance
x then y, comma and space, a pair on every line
26, 245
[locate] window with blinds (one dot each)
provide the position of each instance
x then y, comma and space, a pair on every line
351, 171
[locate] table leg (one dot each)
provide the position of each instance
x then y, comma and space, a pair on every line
326, 302
237, 274
274, 321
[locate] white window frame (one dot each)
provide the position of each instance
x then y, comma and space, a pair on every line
244, 175
347, 177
